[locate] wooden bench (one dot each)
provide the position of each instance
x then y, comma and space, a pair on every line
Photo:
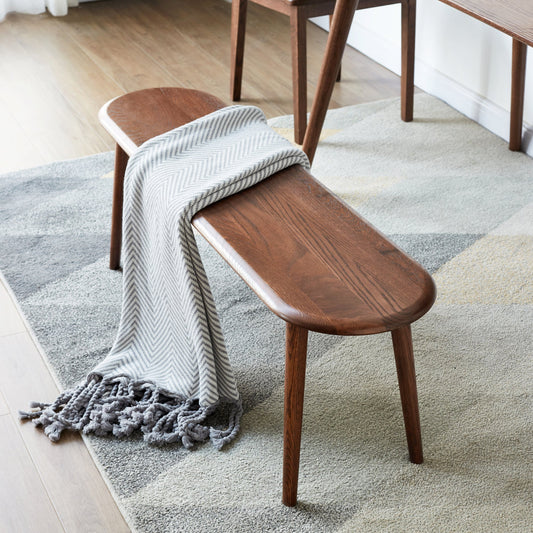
310, 258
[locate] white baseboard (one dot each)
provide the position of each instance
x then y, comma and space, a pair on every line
474, 106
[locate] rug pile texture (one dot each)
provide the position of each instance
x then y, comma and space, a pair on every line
445, 190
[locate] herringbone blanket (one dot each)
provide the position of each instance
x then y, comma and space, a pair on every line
168, 369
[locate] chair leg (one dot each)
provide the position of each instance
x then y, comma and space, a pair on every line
295, 359
298, 21
238, 29
340, 68
342, 20
408, 58
405, 367
517, 94
121, 161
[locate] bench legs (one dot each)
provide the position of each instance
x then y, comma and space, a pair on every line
405, 367
295, 360
121, 161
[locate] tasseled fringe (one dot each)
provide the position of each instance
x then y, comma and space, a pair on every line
119, 406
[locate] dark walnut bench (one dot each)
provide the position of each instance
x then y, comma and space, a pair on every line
308, 256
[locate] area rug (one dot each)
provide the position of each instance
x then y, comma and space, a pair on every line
446, 191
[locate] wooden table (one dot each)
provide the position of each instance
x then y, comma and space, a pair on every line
513, 17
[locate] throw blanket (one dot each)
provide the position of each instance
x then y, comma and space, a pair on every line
168, 369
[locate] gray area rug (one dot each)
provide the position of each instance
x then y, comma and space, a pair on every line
449, 193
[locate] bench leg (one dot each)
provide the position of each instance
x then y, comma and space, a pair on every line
238, 29
295, 359
121, 161
405, 367
408, 58
517, 94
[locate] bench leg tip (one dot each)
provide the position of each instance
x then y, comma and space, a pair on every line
416, 457
289, 501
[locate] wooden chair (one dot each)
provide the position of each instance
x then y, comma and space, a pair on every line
299, 11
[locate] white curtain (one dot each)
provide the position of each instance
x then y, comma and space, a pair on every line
56, 7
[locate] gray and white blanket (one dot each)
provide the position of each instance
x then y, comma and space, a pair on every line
168, 369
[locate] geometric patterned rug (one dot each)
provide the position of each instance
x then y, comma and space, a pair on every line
445, 190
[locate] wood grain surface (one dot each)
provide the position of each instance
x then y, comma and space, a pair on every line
313, 261
513, 17
144, 114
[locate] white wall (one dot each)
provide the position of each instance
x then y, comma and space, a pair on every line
458, 59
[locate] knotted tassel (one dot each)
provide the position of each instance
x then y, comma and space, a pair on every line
120, 406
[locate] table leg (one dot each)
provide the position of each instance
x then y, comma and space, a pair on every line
340, 27
408, 58
517, 94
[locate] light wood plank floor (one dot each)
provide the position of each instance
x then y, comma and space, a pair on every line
55, 73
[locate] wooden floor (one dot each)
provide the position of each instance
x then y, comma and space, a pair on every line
55, 73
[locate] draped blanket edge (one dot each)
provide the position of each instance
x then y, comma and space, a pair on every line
168, 370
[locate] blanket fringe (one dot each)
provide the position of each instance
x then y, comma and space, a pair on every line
120, 406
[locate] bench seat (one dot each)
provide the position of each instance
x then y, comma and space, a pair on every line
313, 261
